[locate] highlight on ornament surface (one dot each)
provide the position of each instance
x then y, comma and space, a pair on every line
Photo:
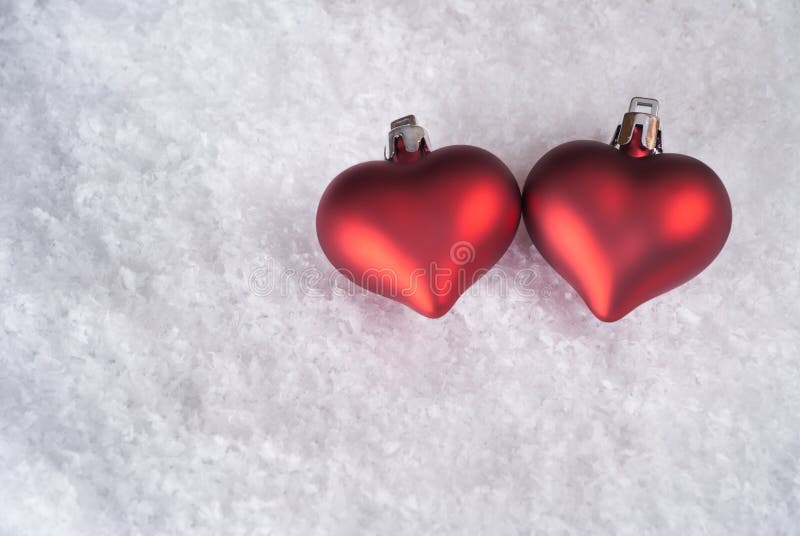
625, 222
436, 220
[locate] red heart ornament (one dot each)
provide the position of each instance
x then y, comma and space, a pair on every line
422, 227
624, 225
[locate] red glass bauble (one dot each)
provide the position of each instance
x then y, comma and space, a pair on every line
624, 224
421, 227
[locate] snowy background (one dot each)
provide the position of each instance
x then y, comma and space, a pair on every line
160, 166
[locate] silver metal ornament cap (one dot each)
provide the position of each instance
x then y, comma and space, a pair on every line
642, 112
412, 134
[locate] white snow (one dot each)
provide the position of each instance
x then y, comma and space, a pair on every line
176, 357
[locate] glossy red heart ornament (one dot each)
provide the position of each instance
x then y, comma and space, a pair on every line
624, 225
421, 228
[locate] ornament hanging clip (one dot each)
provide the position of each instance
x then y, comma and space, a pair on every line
412, 135
647, 120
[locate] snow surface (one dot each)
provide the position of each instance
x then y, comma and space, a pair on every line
161, 166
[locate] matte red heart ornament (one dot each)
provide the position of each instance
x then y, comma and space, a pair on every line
421, 226
623, 223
